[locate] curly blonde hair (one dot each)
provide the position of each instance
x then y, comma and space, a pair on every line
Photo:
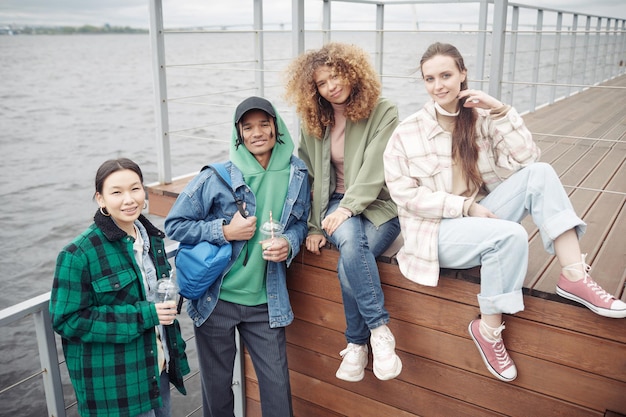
348, 62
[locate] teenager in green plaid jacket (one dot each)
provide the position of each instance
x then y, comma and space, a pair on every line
122, 349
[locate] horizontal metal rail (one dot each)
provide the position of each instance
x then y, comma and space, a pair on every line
572, 52
38, 309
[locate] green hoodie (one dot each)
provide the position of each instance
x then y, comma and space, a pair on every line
245, 284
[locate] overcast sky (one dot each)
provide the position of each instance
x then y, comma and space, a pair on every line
190, 13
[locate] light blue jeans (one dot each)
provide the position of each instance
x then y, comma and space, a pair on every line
500, 245
166, 409
359, 243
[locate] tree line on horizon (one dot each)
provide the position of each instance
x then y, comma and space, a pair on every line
70, 30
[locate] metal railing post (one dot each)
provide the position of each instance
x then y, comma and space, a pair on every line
380, 27
297, 29
37, 307
612, 55
326, 21
49, 360
239, 379
481, 47
497, 49
536, 60
513, 50
596, 52
606, 55
259, 75
622, 49
555, 55
297, 43
164, 163
572, 53
586, 49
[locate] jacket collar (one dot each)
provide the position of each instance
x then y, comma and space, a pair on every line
113, 232
431, 126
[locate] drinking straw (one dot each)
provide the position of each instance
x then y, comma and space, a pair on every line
167, 289
271, 226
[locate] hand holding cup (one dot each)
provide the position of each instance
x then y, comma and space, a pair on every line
166, 312
275, 250
166, 298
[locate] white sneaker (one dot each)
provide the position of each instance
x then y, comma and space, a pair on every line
387, 364
352, 368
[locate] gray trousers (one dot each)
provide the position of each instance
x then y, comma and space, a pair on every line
215, 340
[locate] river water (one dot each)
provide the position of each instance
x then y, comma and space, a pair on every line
67, 103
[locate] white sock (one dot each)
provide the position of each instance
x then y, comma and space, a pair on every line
379, 329
490, 333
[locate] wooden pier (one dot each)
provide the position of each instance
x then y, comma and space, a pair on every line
570, 361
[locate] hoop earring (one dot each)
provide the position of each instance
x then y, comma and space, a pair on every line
104, 212
145, 205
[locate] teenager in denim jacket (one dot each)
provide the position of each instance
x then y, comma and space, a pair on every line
251, 294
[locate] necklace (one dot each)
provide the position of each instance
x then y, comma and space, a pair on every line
444, 112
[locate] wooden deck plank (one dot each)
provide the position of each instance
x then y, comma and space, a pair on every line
612, 258
426, 344
442, 314
411, 399
581, 163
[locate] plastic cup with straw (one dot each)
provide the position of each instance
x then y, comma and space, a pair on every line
270, 230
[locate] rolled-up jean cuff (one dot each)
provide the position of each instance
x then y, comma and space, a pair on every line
558, 224
509, 303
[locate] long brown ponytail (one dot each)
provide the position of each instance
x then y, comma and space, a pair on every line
464, 146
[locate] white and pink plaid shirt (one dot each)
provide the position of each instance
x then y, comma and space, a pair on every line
418, 172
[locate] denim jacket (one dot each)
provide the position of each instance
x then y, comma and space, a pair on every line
206, 204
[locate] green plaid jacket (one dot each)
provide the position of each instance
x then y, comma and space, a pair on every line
98, 305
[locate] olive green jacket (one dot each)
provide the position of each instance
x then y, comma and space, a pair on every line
366, 192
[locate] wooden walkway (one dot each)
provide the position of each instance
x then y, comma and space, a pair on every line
595, 175
571, 362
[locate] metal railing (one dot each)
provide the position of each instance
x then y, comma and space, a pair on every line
527, 56
50, 372
37, 307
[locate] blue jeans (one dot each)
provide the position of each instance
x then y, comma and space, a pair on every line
166, 409
359, 243
500, 245
267, 347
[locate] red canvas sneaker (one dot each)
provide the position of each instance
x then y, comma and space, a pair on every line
494, 353
588, 293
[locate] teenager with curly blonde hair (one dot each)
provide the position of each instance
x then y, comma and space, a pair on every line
345, 129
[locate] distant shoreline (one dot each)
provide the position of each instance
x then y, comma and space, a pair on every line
68, 30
